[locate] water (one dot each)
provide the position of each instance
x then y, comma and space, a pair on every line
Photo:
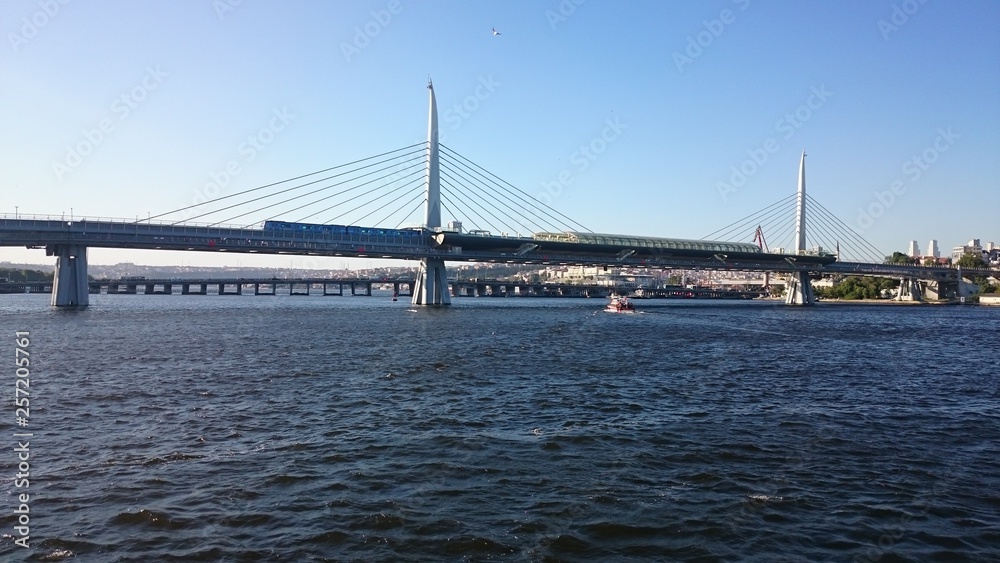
172, 428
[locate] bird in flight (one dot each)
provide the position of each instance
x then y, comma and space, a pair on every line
495, 32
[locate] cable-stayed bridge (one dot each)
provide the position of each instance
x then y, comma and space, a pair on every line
404, 194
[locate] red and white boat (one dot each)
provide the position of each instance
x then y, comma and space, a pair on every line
620, 304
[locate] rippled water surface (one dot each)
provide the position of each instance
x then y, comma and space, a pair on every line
193, 428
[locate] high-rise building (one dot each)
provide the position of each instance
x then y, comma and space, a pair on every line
932, 249
973, 247
914, 250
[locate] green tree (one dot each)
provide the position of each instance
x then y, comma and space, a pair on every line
972, 260
900, 258
930, 261
857, 287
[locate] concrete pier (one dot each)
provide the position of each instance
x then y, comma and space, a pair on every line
366, 285
202, 289
69, 283
237, 291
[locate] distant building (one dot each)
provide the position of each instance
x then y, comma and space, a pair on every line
959, 251
932, 249
914, 250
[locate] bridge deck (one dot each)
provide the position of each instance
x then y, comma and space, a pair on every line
48, 232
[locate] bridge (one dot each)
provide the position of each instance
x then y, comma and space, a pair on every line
401, 287
433, 244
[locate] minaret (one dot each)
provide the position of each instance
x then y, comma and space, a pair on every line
432, 280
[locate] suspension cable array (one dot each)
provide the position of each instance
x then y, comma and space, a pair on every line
385, 190
824, 230
494, 202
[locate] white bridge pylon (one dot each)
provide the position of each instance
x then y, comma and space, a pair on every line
799, 290
431, 287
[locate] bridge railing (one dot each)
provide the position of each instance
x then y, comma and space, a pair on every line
70, 218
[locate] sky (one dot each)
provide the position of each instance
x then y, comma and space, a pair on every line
696, 113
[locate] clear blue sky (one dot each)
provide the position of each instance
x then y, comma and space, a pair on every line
895, 75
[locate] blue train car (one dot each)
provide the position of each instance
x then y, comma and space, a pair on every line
287, 227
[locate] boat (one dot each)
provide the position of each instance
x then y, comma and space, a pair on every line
620, 304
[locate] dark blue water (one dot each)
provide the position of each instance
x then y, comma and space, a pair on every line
170, 428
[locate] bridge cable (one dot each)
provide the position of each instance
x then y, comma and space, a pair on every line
419, 193
847, 229
419, 169
530, 204
748, 218
300, 196
457, 195
446, 208
356, 196
768, 218
460, 168
447, 174
417, 208
286, 190
284, 181
447, 171
445, 199
846, 239
408, 185
520, 191
764, 217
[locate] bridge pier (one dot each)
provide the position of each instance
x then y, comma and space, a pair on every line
257, 291
291, 289
368, 288
432, 283
340, 288
909, 290
798, 290
69, 283
186, 289
237, 291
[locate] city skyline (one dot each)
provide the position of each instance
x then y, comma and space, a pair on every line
690, 117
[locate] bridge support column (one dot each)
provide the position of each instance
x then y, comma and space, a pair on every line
432, 283
69, 284
799, 290
909, 290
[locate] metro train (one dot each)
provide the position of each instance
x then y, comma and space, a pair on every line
289, 227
